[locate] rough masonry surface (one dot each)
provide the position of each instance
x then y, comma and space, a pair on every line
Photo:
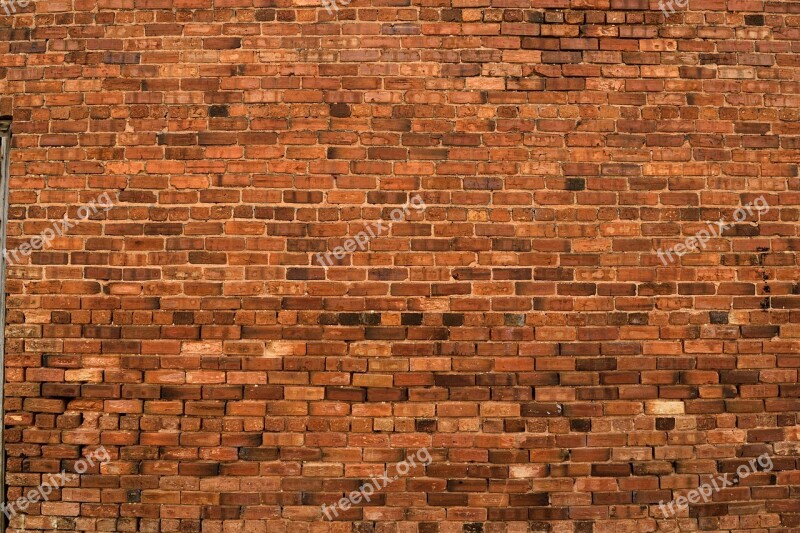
521, 327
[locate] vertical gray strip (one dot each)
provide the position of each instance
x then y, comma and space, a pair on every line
5, 145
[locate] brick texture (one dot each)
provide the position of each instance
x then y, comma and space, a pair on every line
521, 326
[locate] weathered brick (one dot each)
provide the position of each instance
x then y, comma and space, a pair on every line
521, 325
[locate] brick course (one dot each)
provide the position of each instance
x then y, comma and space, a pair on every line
521, 327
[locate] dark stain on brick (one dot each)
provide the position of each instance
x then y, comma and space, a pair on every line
428, 527
754, 20
218, 111
514, 320
453, 319
665, 424
581, 425
718, 317
411, 319
425, 425
576, 184
340, 110
359, 319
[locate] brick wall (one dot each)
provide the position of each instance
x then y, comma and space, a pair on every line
521, 326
